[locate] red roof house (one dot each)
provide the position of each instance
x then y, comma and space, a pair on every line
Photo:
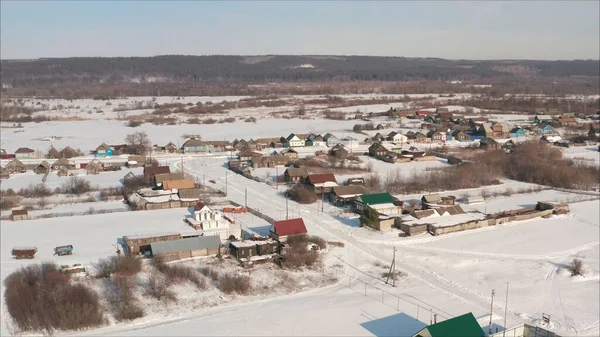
322, 182
282, 229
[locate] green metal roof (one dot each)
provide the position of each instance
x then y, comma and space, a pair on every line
460, 326
377, 198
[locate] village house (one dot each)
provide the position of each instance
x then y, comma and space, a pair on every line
93, 167
160, 178
464, 326
239, 144
19, 214
331, 140
436, 136
293, 141
345, 195
253, 145
383, 203
248, 155
42, 168
103, 151
151, 171
489, 144
339, 151
396, 137
63, 163
283, 229
168, 148
461, 136
517, 132
269, 161
500, 130
322, 183
435, 200
295, 175
315, 140
349, 141
253, 250
24, 153
68, 152
378, 137
178, 249
541, 119
290, 153
212, 222
420, 137
180, 184
378, 150
269, 142
15, 166
544, 130
4, 174
197, 145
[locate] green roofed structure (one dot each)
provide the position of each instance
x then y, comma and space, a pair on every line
383, 203
461, 326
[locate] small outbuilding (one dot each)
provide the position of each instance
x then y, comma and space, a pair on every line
19, 214
186, 248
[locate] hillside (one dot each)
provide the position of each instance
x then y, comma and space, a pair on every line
264, 69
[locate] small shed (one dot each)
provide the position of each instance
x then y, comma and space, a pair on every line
137, 244
19, 214
42, 168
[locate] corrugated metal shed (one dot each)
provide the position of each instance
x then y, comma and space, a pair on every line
182, 245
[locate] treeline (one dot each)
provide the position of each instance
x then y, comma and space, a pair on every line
266, 69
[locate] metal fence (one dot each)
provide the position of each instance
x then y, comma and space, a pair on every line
91, 211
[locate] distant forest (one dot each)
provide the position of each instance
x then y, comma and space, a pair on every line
267, 69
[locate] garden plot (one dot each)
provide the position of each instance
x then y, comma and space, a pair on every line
101, 180
586, 154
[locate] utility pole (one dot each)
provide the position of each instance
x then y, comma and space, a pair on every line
286, 208
392, 272
226, 174
277, 178
246, 198
182, 171
322, 201
505, 311
491, 311
203, 179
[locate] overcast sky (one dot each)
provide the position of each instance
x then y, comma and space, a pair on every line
547, 30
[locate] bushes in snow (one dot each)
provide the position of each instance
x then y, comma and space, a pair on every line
120, 295
41, 298
301, 194
76, 185
158, 287
231, 283
177, 274
125, 264
576, 267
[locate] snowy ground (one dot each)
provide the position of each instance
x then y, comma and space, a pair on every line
103, 179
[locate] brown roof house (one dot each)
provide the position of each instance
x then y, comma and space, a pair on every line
151, 171
180, 184
19, 214
15, 166
24, 153
248, 155
94, 167
63, 163
290, 153
295, 175
42, 168
378, 150
343, 195
162, 177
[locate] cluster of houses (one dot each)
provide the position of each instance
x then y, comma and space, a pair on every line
167, 189
216, 234
62, 166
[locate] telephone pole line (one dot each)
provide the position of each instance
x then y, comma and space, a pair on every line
491, 311
505, 311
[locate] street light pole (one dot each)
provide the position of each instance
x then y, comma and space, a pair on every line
226, 174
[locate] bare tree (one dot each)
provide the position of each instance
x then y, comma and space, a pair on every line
138, 142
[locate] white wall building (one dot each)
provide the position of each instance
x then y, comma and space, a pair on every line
213, 223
